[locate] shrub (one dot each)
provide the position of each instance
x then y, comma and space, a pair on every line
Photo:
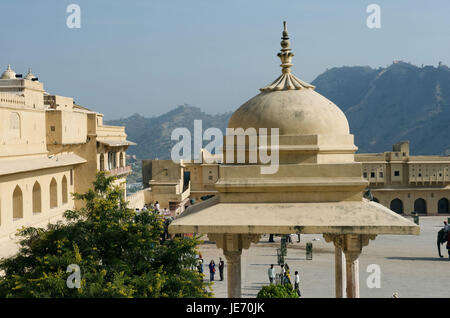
277, 291
119, 253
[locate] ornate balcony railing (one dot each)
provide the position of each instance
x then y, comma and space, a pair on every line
119, 171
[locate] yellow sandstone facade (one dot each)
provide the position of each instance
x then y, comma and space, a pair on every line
176, 185
50, 147
203, 176
406, 183
397, 180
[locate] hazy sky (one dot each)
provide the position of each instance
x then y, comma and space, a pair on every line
148, 57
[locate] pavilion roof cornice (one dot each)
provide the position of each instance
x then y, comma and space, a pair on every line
349, 217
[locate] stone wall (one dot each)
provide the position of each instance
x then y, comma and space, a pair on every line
136, 200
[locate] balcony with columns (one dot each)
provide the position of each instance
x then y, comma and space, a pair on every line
119, 171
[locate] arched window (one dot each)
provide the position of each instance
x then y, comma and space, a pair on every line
53, 194
64, 190
397, 206
420, 206
443, 206
37, 205
17, 203
102, 162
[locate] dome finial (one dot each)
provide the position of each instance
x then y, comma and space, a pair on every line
286, 81
285, 55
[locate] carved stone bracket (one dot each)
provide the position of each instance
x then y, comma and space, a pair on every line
248, 239
366, 238
218, 238
232, 256
337, 239
233, 242
349, 242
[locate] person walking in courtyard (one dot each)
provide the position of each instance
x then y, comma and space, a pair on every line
212, 270
200, 266
281, 275
221, 266
286, 269
297, 283
271, 273
286, 280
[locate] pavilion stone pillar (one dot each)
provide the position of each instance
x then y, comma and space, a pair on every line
351, 246
352, 269
232, 245
233, 273
339, 263
340, 271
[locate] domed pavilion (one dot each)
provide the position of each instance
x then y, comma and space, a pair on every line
316, 187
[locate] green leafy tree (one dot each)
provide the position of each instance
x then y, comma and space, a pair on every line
119, 253
277, 291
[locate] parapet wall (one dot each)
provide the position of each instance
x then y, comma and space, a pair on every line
13, 100
136, 200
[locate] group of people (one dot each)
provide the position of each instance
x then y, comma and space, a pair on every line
212, 268
154, 208
285, 277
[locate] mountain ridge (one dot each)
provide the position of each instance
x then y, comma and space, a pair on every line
159, 128
400, 102
383, 105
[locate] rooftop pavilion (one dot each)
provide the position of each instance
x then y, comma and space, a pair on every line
318, 187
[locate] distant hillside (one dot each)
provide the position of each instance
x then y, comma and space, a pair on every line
387, 105
153, 134
383, 106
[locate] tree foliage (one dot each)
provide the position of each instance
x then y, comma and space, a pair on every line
277, 291
119, 253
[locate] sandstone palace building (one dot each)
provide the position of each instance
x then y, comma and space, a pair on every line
176, 185
398, 180
406, 183
50, 147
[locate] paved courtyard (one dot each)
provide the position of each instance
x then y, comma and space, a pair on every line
410, 265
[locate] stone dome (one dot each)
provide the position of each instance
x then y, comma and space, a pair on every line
294, 112
291, 105
8, 74
29, 75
